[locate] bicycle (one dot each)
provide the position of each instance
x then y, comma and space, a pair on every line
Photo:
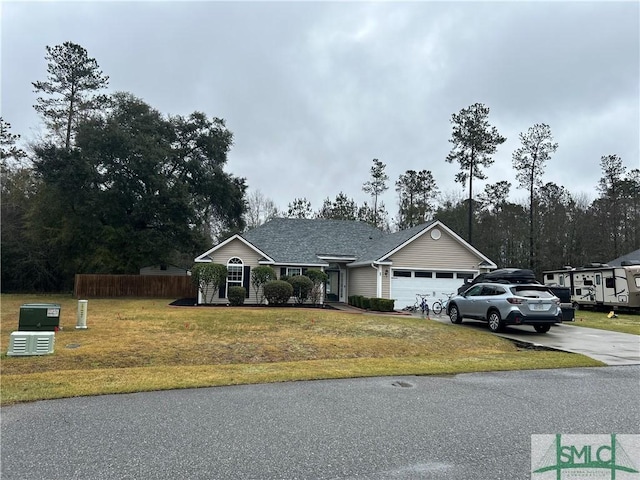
440, 305
422, 304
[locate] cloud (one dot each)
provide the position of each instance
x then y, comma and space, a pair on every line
313, 91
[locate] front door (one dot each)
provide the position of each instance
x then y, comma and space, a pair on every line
332, 287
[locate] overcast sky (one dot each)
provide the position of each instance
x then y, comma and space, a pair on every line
313, 91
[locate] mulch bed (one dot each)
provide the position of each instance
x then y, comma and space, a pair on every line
192, 302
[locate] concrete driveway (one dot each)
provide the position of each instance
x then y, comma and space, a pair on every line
611, 348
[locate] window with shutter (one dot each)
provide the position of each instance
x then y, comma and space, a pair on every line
235, 273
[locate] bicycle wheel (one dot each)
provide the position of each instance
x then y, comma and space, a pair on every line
425, 307
437, 307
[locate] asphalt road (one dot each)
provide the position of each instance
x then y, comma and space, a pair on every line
611, 348
470, 426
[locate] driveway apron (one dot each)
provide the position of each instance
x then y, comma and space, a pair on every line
611, 348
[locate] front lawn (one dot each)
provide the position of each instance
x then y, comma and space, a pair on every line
144, 344
623, 322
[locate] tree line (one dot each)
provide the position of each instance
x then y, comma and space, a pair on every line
114, 185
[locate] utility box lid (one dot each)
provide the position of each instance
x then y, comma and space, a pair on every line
48, 309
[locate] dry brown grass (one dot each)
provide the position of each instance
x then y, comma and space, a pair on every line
624, 322
144, 344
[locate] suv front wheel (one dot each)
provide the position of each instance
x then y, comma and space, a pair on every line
454, 314
495, 321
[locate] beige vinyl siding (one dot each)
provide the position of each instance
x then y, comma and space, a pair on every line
362, 281
249, 258
443, 254
386, 282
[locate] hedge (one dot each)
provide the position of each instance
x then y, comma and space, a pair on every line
376, 304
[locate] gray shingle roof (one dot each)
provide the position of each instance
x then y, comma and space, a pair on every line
632, 256
296, 240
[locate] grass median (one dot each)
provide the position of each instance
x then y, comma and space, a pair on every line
144, 344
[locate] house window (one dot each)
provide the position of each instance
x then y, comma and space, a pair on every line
423, 274
444, 274
234, 273
293, 271
401, 273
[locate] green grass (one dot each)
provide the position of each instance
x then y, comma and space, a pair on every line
144, 344
623, 322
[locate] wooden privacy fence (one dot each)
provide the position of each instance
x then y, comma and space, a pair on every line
164, 286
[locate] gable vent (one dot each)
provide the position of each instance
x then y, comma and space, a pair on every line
31, 343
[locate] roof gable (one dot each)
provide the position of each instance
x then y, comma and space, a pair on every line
205, 256
395, 242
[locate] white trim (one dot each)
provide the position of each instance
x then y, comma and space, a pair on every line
204, 258
437, 269
241, 265
365, 263
331, 258
289, 264
379, 270
286, 271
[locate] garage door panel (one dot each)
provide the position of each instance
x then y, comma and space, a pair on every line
404, 289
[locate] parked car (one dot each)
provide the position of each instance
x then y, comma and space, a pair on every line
502, 275
507, 304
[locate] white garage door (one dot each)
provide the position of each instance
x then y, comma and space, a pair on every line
405, 288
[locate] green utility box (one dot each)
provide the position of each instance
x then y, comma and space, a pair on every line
39, 317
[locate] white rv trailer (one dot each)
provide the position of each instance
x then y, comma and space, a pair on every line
600, 285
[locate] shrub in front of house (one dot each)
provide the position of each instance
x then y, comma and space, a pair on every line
374, 304
236, 295
365, 303
277, 292
208, 277
386, 305
259, 276
302, 286
318, 277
